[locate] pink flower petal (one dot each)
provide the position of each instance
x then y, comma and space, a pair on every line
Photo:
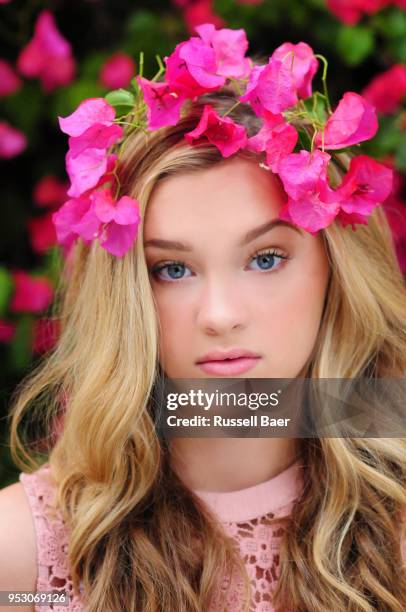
119, 238
366, 184
226, 135
353, 121
124, 212
85, 170
163, 104
270, 88
311, 213
7, 330
46, 334
230, 47
98, 136
301, 173
301, 61
89, 112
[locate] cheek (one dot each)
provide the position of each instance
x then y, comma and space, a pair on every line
174, 314
290, 309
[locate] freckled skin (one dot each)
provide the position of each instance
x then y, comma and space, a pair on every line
225, 299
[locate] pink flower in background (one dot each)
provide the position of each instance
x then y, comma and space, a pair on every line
226, 135
49, 191
163, 104
42, 233
12, 141
353, 121
351, 11
7, 330
4, 1
117, 71
387, 90
271, 88
48, 55
10, 82
196, 12
31, 294
301, 61
276, 137
230, 47
46, 333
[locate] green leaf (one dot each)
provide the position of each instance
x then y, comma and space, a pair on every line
400, 157
21, 344
354, 44
120, 97
6, 288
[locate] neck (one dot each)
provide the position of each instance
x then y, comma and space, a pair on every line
230, 464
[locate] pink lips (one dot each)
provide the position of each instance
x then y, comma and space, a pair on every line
228, 363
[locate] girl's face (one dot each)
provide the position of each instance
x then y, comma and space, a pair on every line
226, 274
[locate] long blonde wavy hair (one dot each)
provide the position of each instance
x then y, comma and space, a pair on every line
139, 539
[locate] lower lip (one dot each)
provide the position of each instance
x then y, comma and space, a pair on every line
228, 367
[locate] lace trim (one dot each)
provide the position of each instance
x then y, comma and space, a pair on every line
52, 540
258, 542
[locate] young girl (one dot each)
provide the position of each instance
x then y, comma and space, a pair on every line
122, 520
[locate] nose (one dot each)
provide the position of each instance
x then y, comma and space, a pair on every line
221, 307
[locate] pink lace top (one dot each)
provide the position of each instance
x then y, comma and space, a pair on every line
244, 515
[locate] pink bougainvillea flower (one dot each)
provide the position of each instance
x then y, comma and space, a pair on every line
300, 59
311, 204
68, 221
366, 184
85, 170
98, 136
163, 104
353, 121
49, 191
10, 82
270, 88
46, 332
48, 55
387, 90
121, 220
31, 294
7, 330
222, 132
42, 233
117, 71
230, 47
12, 141
191, 69
4, 1
276, 137
89, 112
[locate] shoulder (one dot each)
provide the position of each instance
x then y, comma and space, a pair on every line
18, 559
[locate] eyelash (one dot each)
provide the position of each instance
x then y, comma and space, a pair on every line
155, 270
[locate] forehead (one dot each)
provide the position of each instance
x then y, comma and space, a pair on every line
231, 196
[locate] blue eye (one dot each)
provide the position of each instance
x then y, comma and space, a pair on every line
174, 269
269, 260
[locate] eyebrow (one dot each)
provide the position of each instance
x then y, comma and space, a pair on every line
249, 236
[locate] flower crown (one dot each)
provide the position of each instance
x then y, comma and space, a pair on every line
280, 95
